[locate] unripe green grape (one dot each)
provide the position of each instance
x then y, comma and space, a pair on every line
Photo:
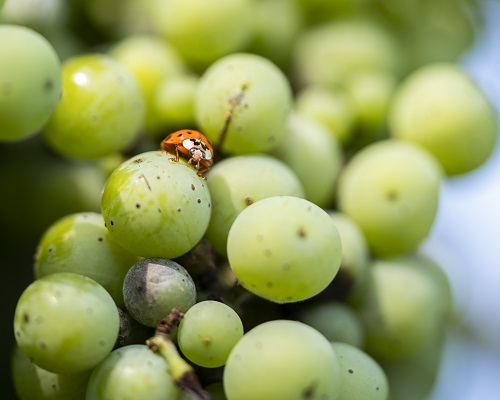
319, 11
248, 95
65, 322
152, 61
155, 207
154, 286
238, 181
174, 102
205, 30
329, 54
332, 108
132, 372
440, 108
42, 16
315, 156
81, 243
100, 112
362, 377
335, 320
402, 308
282, 359
30, 83
391, 190
208, 332
284, 248
216, 390
32, 382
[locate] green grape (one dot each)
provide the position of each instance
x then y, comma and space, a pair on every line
208, 332
30, 83
391, 190
314, 155
216, 390
41, 16
247, 97
332, 108
336, 321
174, 102
100, 112
153, 286
153, 62
155, 207
355, 253
32, 382
65, 322
81, 243
284, 248
329, 54
273, 36
440, 108
204, 30
319, 11
362, 377
402, 308
282, 359
236, 182
132, 372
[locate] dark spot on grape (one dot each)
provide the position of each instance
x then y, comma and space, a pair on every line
50, 249
199, 201
26, 317
193, 187
207, 342
138, 160
102, 343
301, 232
159, 210
100, 239
111, 222
289, 298
350, 371
286, 266
309, 391
137, 205
18, 334
43, 345
48, 85
271, 139
39, 319
267, 252
105, 225
158, 177
209, 205
6, 88
248, 200
391, 195
179, 209
269, 284
54, 386
93, 117
377, 389
309, 208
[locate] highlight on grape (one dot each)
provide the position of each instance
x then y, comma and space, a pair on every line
284, 263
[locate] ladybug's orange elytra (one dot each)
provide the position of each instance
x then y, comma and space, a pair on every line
193, 145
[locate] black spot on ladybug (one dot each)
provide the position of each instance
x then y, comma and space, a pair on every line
193, 187
248, 200
199, 201
137, 205
138, 160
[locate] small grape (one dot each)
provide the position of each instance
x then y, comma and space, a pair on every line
65, 322
248, 95
204, 30
314, 155
284, 248
216, 390
362, 377
155, 207
81, 243
208, 332
30, 82
282, 359
132, 372
154, 286
238, 181
34, 383
391, 190
440, 108
100, 112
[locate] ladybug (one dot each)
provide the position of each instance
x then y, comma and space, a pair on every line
192, 145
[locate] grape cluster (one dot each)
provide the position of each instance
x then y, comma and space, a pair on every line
292, 268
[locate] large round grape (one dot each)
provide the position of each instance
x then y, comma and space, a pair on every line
66, 322
155, 207
30, 82
248, 93
101, 110
391, 190
204, 30
81, 243
236, 182
440, 108
284, 248
132, 372
154, 286
208, 332
362, 377
282, 359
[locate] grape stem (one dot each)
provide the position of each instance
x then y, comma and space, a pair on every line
182, 372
